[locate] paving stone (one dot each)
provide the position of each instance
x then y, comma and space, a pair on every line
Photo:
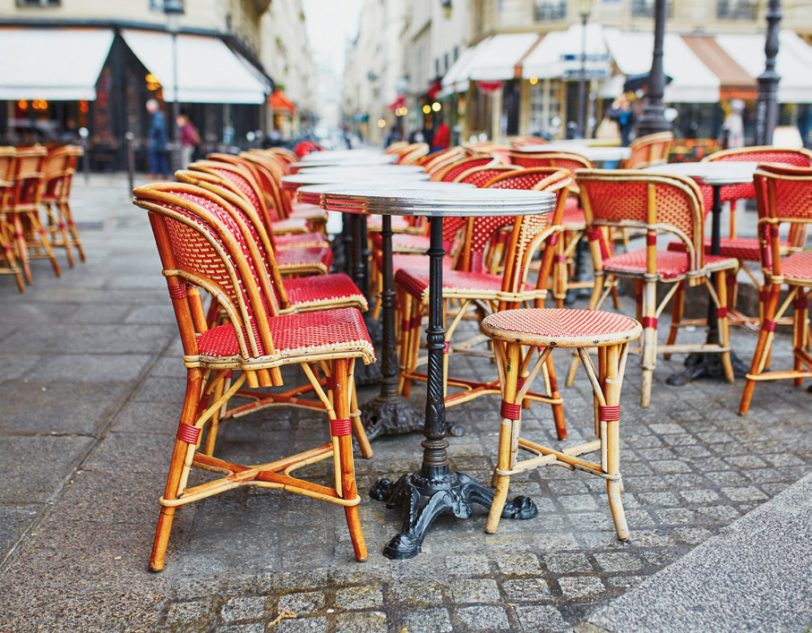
353, 598
304, 602
567, 562
467, 565
188, 616
618, 561
301, 625
540, 618
748, 493
366, 621
246, 608
427, 621
699, 496
482, 618
580, 586
526, 590
13, 520
474, 590
417, 593
518, 564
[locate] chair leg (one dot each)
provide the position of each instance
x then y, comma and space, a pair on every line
558, 409
62, 227
677, 312
73, 232
765, 338
37, 227
800, 332
610, 439
341, 396
22, 247
724, 324
508, 437
191, 403
358, 429
649, 321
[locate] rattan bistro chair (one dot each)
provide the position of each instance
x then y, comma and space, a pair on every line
657, 204
204, 248
8, 261
60, 167
516, 334
648, 150
783, 196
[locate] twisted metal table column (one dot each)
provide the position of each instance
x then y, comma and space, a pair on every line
388, 413
436, 489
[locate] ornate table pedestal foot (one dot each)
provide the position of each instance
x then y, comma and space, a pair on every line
423, 499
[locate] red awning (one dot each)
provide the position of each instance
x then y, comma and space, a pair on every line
398, 103
488, 86
434, 89
279, 102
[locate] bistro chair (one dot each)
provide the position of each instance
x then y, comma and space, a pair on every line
204, 248
656, 204
783, 196
292, 259
8, 261
450, 171
25, 202
478, 292
415, 153
516, 335
435, 161
60, 167
649, 150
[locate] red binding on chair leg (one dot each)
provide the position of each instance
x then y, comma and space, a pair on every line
511, 411
609, 413
340, 427
188, 433
649, 322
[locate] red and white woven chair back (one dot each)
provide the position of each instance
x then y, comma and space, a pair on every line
565, 160
415, 153
654, 202
480, 176
452, 170
28, 175
649, 150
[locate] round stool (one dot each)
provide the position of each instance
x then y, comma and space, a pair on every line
516, 336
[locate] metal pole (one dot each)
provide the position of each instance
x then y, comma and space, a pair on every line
130, 137
176, 154
767, 105
653, 118
582, 80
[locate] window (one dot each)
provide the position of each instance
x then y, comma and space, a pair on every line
736, 9
645, 8
545, 108
548, 10
436, 66
445, 62
41, 4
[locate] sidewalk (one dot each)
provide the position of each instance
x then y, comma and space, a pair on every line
90, 389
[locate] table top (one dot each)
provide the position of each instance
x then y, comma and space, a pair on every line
439, 202
595, 154
347, 157
367, 169
712, 173
312, 194
294, 181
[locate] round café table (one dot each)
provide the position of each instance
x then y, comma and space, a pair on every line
597, 154
388, 413
353, 156
715, 175
435, 489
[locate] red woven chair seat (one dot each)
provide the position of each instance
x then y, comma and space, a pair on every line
798, 267
742, 248
289, 225
295, 334
311, 256
323, 289
561, 327
416, 281
409, 260
307, 212
670, 264
573, 217
296, 240
399, 223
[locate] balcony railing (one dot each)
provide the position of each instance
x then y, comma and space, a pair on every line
551, 10
736, 9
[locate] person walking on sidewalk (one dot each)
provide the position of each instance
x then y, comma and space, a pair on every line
157, 140
189, 139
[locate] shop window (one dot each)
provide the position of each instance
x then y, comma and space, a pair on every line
548, 10
645, 8
545, 108
38, 4
736, 9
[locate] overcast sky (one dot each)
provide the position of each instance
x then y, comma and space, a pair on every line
330, 24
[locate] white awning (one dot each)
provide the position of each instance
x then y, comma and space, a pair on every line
53, 64
693, 82
456, 79
794, 62
496, 59
208, 70
559, 53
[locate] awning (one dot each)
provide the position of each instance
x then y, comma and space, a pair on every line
280, 102
57, 64
398, 103
736, 83
208, 70
456, 78
693, 81
559, 55
500, 57
794, 62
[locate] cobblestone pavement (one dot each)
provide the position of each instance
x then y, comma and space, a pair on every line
90, 390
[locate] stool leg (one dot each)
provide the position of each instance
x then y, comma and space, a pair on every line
649, 341
357, 426
558, 409
765, 340
508, 436
677, 312
724, 324
610, 438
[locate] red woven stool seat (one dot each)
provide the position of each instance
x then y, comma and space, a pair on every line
798, 267
670, 264
549, 327
573, 217
323, 290
340, 330
289, 225
297, 240
416, 281
311, 257
743, 248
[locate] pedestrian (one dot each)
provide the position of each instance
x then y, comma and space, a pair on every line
733, 127
189, 138
621, 112
394, 136
157, 154
442, 137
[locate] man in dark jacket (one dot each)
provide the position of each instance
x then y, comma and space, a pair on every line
157, 140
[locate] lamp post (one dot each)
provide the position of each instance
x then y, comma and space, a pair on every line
767, 105
653, 117
173, 9
584, 10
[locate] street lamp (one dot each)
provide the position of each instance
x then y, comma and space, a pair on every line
653, 119
767, 105
584, 10
173, 9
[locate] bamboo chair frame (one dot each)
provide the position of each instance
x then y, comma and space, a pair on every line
59, 170
767, 179
649, 150
514, 352
525, 241
698, 271
210, 382
7, 238
414, 154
